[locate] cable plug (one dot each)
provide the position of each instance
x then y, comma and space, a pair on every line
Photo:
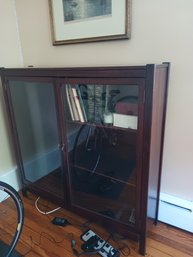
60, 221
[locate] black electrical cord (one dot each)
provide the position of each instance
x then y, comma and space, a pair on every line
92, 149
19, 205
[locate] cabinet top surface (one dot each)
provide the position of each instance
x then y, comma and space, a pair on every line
110, 71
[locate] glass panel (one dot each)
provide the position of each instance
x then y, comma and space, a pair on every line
102, 149
105, 196
36, 122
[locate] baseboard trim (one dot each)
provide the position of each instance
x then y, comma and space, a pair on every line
11, 177
176, 212
46, 162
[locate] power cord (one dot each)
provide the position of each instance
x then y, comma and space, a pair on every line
84, 226
47, 236
42, 212
122, 247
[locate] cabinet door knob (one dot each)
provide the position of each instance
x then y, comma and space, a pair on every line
61, 146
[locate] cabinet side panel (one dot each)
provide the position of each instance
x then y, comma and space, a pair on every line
158, 117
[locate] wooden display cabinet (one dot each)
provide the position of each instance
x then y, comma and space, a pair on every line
99, 153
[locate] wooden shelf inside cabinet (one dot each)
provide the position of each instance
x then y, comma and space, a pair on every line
108, 208
84, 172
106, 126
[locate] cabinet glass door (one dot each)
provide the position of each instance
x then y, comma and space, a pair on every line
102, 124
33, 107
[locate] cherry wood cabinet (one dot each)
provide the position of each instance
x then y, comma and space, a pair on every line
91, 139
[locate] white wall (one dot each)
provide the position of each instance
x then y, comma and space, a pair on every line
10, 56
161, 31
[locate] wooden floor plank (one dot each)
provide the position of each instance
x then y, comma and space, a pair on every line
176, 238
163, 250
40, 238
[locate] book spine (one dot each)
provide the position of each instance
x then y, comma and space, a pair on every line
77, 103
75, 111
98, 107
69, 102
90, 92
81, 103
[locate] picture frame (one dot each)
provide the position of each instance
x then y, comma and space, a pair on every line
82, 21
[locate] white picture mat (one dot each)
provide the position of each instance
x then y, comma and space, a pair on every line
89, 28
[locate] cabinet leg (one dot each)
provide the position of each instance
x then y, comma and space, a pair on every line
24, 192
155, 222
142, 247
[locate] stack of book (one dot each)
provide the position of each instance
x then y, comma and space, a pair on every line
75, 103
86, 103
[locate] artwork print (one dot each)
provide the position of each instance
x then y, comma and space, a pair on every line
83, 21
75, 10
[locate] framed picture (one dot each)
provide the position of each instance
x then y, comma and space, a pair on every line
77, 21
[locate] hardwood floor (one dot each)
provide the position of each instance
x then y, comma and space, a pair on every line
40, 238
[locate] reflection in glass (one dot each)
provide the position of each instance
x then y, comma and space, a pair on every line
103, 104
102, 158
35, 117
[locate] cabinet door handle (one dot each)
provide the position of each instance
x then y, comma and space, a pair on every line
61, 146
